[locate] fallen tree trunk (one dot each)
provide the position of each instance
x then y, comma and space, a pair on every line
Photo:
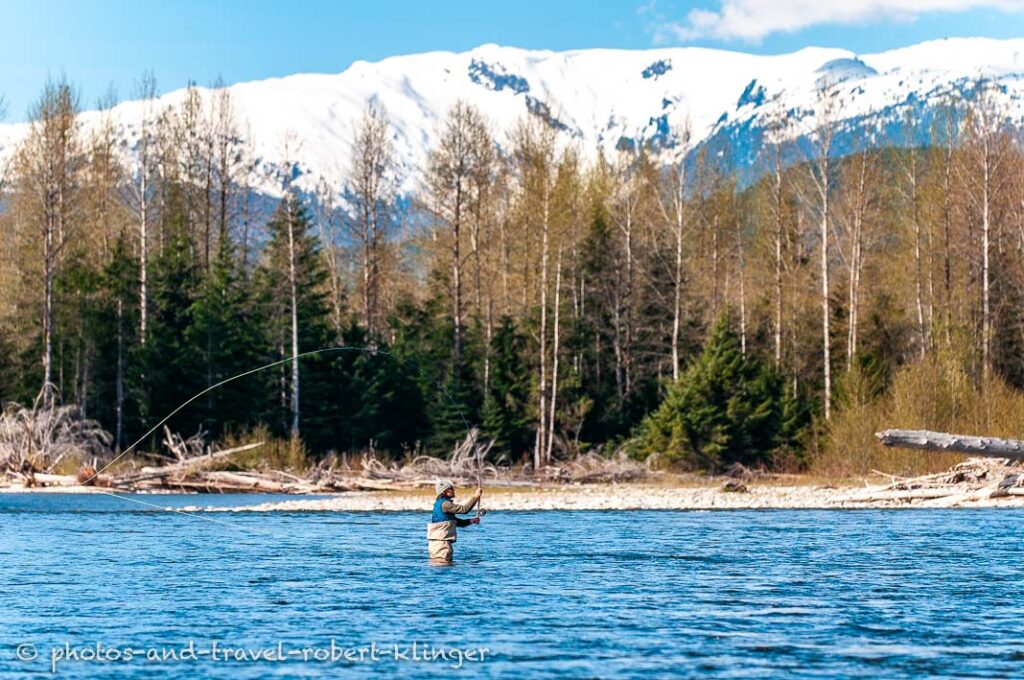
967, 496
897, 495
46, 479
249, 482
182, 468
924, 440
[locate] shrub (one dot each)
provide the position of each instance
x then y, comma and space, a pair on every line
938, 393
277, 453
725, 408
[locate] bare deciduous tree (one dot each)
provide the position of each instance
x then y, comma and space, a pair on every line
140, 190
451, 168
856, 213
51, 162
820, 140
373, 194
674, 208
535, 159
982, 174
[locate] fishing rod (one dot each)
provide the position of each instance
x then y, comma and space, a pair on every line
480, 512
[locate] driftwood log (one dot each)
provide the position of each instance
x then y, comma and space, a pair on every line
925, 440
194, 467
185, 467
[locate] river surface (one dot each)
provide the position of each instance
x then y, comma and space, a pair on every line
787, 593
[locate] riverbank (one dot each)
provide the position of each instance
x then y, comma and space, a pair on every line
622, 497
970, 484
628, 497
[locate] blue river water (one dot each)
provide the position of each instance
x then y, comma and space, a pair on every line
871, 593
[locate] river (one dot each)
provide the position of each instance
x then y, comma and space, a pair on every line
95, 586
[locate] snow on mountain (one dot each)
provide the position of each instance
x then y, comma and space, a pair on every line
601, 99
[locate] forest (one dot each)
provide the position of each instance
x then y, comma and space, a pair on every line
653, 302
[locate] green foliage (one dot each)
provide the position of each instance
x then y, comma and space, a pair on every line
724, 408
609, 407
507, 416
454, 412
172, 369
451, 395
941, 392
884, 345
390, 408
117, 342
292, 242
228, 336
9, 372
375, 399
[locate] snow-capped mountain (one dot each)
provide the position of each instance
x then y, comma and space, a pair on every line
600, 99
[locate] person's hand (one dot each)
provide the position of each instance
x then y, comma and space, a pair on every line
475, 520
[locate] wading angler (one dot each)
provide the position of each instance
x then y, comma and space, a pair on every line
442, 531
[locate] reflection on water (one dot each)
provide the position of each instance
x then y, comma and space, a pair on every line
573, 594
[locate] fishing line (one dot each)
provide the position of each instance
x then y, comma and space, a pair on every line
346, 348
207, 518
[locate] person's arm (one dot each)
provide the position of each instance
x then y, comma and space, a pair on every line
461, 508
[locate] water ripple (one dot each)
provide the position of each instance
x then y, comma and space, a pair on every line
558, 594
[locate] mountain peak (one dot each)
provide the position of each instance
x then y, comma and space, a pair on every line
602, 98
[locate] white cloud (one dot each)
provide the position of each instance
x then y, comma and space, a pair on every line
752, 20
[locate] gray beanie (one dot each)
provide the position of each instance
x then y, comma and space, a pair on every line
443, 485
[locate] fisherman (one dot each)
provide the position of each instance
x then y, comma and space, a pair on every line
441, 532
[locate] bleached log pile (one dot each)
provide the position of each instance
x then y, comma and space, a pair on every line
973, 480
193, 466
467, 464
995, 473
40, 437
591, 468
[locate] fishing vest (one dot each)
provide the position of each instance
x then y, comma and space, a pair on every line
439, 514
442, 524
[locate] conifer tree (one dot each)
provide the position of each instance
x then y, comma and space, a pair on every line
292, 282
506, 413
725, 408
118, 342
173, 367
228, 336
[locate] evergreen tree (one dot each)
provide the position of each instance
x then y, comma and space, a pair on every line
228, 336
172, 364
506, 414
9, 370
78, 292
455, 410
118, 406
377, 398
725, 408
451, 398
391, 412
292, 240
609, 416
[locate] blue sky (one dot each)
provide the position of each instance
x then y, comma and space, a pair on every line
102, 43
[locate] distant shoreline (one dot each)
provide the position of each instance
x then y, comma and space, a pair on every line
622, 497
